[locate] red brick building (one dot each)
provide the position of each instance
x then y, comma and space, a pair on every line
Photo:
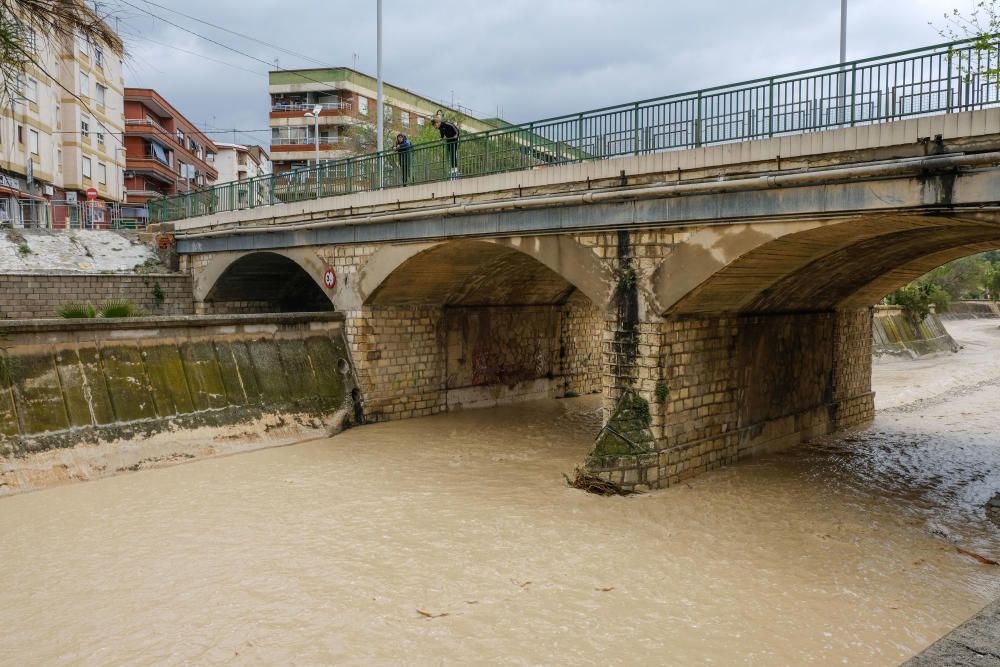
165, 153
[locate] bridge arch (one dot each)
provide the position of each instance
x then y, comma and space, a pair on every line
541, 269
811, 266
474, 323
267, 281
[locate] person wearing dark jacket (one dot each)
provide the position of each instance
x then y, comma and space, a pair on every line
404, 148
449, 133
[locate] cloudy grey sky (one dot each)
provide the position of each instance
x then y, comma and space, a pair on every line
532, 58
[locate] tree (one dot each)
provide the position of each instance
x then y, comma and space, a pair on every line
981, 24
26, 24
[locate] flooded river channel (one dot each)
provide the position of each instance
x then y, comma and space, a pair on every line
453, 540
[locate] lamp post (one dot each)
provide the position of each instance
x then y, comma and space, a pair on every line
380, 120
842, 77
314, 114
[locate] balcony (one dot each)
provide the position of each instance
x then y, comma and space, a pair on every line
304, 106
308, 142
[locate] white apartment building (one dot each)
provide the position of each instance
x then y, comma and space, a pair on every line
236, 162
62, 134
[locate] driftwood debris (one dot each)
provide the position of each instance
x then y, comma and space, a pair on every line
972, 554
596, 485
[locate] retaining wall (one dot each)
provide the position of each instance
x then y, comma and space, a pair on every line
70, 382
39, 295
963, 310
897, 333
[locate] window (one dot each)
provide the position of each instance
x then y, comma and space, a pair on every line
31, 90
59, 158
387, 112
31, 40
102, 173
99, 57
211, 158
86, 168
404, 118
84, 85
363, 106
420, 121
20, 134
33, 141
102, 94
100, 136
83, 44
84, 126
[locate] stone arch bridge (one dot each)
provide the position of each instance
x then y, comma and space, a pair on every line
729, 287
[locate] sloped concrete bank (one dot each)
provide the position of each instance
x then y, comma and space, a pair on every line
965, 310
86, 398
976, 642
898, 333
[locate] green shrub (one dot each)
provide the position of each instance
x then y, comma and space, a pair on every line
76, 311
119, 308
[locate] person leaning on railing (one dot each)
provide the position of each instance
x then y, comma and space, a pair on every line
404, 148
449, 133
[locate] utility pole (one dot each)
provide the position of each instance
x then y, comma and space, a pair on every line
842, 77
380, 121
380, 140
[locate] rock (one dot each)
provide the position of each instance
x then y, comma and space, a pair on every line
994, 503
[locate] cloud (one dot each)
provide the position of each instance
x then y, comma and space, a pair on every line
533, 58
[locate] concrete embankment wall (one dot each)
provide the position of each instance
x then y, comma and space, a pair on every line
965, 310
70, 383
25, 296
898, 333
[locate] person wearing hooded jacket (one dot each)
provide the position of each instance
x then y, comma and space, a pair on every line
449, 133
404, 148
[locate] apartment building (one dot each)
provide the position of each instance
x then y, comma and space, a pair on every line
61, 134
165, 153
346, 100
236, 162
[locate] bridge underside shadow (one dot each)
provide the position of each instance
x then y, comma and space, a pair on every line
473, 324
770, 345
265, 282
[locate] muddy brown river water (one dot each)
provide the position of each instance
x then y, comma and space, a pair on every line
452, 540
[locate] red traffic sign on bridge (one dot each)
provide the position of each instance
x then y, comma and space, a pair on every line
330, 279
91, 194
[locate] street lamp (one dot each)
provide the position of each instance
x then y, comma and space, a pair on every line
314, 114
842, 77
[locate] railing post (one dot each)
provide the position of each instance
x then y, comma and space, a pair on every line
579, 135
636, 139
854, 91
347, 176
697, 123
949, 104
770, 108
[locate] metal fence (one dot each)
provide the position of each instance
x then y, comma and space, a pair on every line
957, 76
44, 214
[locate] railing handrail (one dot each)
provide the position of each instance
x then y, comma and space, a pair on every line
306, 141
305, 106
785, 104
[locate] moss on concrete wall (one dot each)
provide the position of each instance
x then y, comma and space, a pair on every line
72, 379
899, 333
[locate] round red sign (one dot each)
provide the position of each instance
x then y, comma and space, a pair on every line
91, 194
330, 279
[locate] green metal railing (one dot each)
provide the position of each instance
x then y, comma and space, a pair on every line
957, 76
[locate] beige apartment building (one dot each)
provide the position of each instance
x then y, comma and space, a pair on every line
62, 135
346, 100
237, 162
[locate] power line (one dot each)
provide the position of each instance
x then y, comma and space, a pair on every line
225, 46
238, 34
200, 55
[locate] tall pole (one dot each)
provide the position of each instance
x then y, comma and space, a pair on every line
316, 141
843, 31
381, 113
842, 78
379, 139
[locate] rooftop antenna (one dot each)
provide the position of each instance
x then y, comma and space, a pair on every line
355, 56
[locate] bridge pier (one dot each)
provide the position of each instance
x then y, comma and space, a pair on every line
723, 388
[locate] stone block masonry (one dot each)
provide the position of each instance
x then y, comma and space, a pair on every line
734, 387
39, 295
414, 361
